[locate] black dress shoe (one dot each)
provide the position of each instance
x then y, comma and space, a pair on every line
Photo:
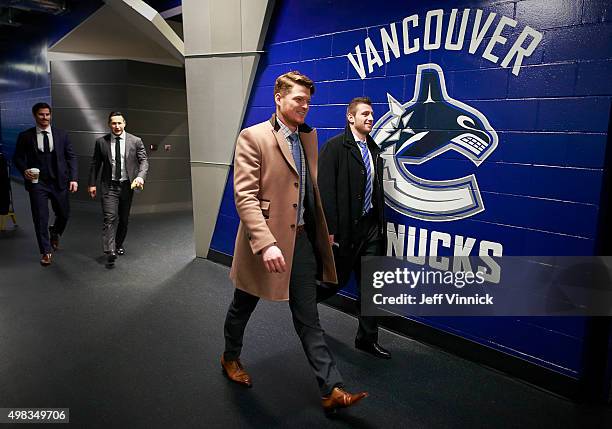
374, 349
120, 251
53, 238
111, 256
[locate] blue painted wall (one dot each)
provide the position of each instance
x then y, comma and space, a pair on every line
540, 187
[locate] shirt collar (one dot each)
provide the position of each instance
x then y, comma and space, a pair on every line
121, 136
40, 130
284, 129
357, 139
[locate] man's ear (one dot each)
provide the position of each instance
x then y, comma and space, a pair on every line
350, 118
277, 98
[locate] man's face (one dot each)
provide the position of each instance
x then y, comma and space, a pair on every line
43, 117
294, 105
363, 119
117, 124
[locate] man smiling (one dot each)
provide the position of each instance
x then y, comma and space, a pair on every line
282, 246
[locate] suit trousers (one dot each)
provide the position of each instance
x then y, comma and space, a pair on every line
116, 204
40, 195
367, 242
305, 314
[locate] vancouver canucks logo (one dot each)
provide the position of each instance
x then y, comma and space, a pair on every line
423, 128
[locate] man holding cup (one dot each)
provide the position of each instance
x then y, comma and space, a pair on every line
45, 158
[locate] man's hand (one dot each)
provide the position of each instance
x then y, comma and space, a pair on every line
73, 187
139, 181
29, 175
331, 239
92, 191
273, 259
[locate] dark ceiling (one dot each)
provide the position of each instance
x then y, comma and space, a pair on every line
25, 19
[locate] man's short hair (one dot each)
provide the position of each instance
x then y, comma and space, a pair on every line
352, 107
38, 106
286, 81
116, 113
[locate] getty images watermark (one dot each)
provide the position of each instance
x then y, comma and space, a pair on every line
487, 286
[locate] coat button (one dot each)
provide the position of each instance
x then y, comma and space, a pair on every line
296, 184
295, 206
356, 221
359, 197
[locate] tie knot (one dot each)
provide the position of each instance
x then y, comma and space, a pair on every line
117, 139
293, 137
45, 132
362, 144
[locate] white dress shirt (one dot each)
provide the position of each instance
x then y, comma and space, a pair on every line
40, 138
124, 175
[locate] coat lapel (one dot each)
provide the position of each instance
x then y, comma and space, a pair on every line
309, 143
284, 147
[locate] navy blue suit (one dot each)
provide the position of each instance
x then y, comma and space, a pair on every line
58, 169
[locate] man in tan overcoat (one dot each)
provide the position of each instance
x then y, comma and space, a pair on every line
282, 245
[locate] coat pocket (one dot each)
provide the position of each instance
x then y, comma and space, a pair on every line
265, 208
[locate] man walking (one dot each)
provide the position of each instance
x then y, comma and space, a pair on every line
282, 245
45, 158
350, 179
122, 160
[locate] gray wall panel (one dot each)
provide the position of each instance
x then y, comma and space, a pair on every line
163, 123
103, 71
169, 169
155, 75
156, 98
89, 95
154, 101
164, 192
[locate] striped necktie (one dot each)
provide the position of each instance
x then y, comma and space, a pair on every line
365, 154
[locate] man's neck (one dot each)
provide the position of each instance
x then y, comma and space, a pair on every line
361, 137
280, 117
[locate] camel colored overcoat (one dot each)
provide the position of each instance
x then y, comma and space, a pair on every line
266, 195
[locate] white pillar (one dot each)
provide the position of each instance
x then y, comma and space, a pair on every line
223, 42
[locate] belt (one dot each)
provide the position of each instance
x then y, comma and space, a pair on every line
300, 229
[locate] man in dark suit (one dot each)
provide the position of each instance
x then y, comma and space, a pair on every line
350, 180
122, 160
45, 158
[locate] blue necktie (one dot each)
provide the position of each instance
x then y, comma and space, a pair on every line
367, 199
297, 158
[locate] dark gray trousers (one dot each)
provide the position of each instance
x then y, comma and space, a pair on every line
116, 204
303, 305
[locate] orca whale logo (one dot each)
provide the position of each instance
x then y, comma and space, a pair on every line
421, 129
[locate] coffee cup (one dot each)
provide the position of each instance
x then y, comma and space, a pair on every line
36, 173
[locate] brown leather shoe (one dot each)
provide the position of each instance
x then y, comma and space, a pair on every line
234, 370
45, 261
340, 398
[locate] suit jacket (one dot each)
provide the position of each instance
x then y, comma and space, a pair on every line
136, 162
266, 193
342, 183
26, 156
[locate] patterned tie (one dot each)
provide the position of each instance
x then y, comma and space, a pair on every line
297, 158
46, 145
365, 154
117, 158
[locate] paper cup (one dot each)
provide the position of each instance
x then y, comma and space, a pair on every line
36, 172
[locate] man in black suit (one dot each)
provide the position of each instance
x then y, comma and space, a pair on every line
122, 159
49, 151
350, 181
